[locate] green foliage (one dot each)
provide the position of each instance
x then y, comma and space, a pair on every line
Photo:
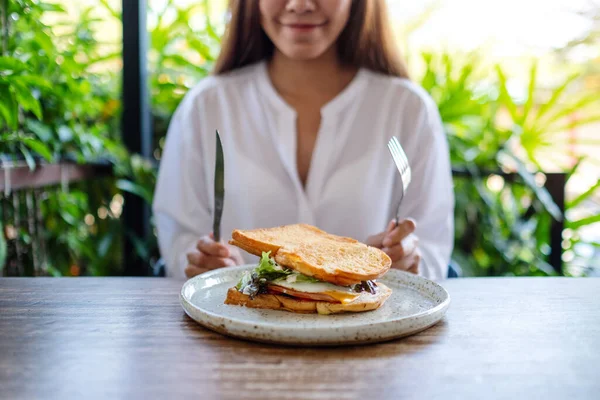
179, 57
502, 227
59, 99
55, 107
52, 104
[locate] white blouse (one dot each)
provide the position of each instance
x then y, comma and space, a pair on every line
353, 187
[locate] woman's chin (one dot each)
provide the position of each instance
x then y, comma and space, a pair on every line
304, 53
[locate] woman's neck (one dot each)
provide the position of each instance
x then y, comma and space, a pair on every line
321, 79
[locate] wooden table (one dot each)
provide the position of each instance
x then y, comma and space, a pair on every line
129, 338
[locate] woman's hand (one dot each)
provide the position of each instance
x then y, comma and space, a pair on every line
211, 255
400, 243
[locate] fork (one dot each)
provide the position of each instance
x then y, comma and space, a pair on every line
401, 162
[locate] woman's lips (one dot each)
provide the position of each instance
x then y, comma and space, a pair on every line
303, 27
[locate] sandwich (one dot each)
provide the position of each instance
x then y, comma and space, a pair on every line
303, 269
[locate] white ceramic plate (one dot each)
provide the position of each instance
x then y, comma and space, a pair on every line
415, 304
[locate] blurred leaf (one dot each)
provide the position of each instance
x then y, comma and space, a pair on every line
65, 133
584, 196
576, 123
8, 107
39, 147
107, 57
184, 62
43, 132
52, 7
530, 94
28, 157
139, 245
201, 47
9, 64
575, 168
583, 222
27, 100
105, 244
116, 14
546, 268
134, 188
565, 111
505, 97
33, 80
419, 20
556, 95
541, 193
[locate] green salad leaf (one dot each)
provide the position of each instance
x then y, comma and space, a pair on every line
255, 282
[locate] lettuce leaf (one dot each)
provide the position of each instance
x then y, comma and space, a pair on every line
269, 269
255, 282
300, 278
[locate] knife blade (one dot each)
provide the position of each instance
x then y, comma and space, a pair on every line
219, 189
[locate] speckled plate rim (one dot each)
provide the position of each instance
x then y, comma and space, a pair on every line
213, 321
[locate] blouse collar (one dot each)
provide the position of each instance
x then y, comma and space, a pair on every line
337, 104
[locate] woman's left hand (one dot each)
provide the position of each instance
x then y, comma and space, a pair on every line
400, 244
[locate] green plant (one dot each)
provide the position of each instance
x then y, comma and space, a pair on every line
61, 101
502, 226
538, 123
55, 107
179, 57
52, 104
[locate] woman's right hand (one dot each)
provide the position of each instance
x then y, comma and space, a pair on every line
211, 255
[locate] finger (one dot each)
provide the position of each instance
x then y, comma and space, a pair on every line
414, 269
209, 246
391, 225
406, 249
403, 229
396, 253
192, 270
410, 244
408, 262
377, 240
194, 258
217, 262
205, 261
415, 265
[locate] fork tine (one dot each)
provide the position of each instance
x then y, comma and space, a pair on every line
396, 157
399, 148
401, 161
396, 144
392, 148
403, 156
399, 153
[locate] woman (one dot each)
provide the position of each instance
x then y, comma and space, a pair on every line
305, 95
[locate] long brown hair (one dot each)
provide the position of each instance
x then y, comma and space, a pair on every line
366, 41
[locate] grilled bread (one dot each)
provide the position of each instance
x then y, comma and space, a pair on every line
339, 260
364, 302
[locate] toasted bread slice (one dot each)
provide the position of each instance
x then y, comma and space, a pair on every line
310, 251
364, 302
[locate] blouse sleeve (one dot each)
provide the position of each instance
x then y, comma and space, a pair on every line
181, 205
430, 197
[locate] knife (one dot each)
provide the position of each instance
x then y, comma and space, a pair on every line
219, 189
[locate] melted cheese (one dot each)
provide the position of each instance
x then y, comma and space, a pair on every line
341, 293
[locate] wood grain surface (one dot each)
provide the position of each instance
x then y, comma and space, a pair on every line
128, 338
